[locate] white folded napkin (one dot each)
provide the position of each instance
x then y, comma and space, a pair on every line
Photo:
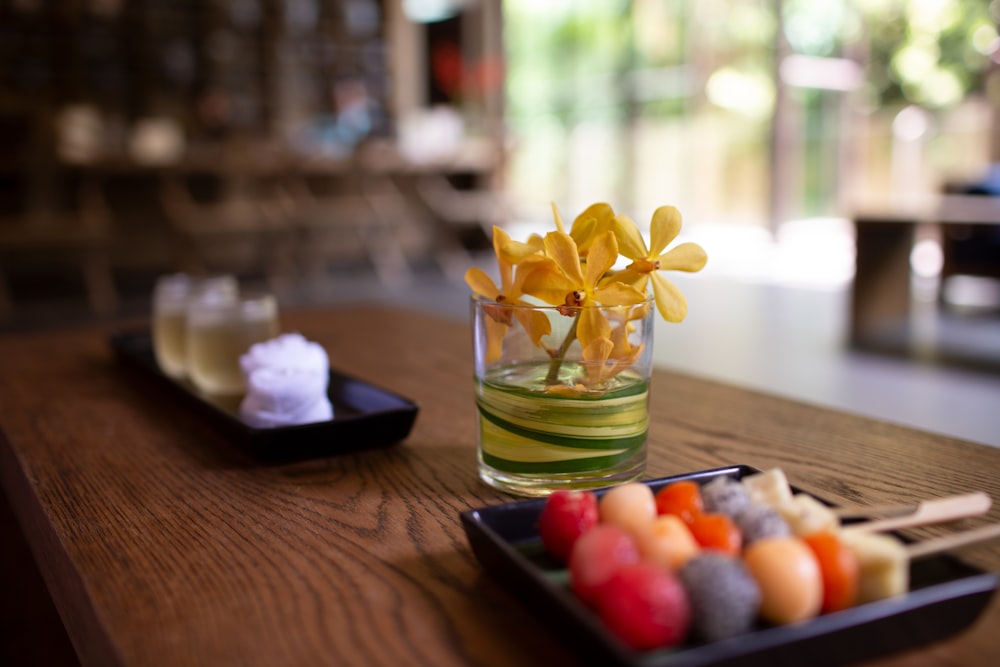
287, 379
291, 350
281, 397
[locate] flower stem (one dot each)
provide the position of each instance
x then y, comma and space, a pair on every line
557, 360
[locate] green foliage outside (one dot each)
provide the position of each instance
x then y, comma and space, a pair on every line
610, 63
572, 58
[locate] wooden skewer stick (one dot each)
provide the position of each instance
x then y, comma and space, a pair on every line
882, 511
954, 541
887, 511
927, 512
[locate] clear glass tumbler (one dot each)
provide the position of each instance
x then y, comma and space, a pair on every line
220, 329
170, 301
552, 414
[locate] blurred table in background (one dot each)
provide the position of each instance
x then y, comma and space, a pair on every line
890, 310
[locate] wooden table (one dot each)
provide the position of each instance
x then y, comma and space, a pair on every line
161, 544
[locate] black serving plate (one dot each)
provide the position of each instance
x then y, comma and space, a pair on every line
364, 416
946, 595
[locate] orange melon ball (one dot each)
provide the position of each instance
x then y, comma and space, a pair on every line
667, 542
790, 581
630, 506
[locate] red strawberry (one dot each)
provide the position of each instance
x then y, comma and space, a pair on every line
645, 606
566, 516
597, 555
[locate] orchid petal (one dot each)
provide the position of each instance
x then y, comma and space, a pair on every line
535, 322
663, 229
688, 257
481, 284
619, 336
597, 218
560, 227
516, 252
639, 311
619, 294
670, 301
526, 267
621, 320
592, 324
536, 243
495, 332
599, 349
596, 355
600, 212
624, 353
602, 256
583, 233
562, 249
630, 242
547, 282
636, 279
623, 361
500, 239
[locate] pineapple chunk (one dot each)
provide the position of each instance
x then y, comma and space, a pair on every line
883, 563
768, 488
804, 514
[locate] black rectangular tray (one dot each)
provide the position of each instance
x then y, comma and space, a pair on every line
364, 416
946, 595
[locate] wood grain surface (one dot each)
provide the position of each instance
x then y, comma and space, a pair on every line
163, 544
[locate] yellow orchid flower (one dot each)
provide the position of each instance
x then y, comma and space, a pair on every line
648, 263
563, 282
573, 271
480, 283
508, 294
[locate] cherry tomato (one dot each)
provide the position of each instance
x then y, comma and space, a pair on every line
839, 569
681, 499
717, 531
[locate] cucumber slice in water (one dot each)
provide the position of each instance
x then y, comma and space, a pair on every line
524, 429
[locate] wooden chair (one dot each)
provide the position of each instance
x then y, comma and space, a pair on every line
245, 232
341, 213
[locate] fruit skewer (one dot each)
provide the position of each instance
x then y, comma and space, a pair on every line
883, 561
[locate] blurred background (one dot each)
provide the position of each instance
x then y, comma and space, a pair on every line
838, 160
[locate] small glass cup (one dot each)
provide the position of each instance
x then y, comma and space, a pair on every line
220, 329
550, 415
170, 301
